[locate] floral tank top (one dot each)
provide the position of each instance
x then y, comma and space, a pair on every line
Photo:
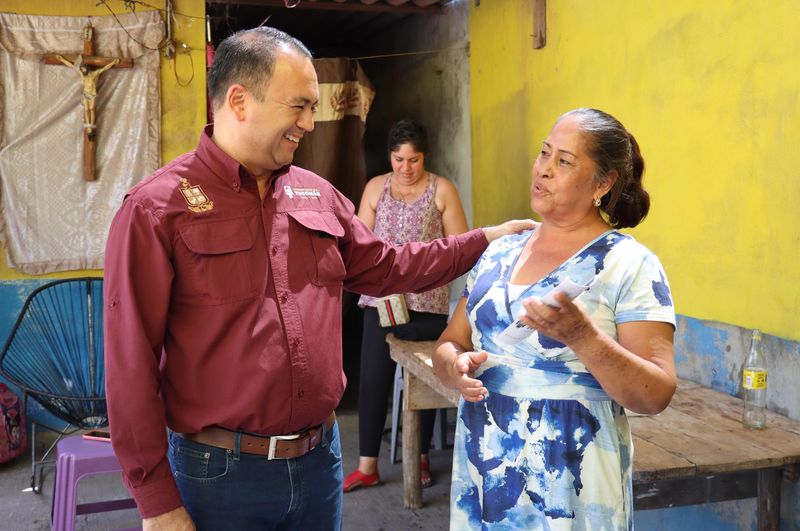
399, 222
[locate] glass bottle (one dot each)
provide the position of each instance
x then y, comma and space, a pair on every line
754, 385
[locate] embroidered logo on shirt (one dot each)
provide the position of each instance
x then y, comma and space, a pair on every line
300, 192
195, 198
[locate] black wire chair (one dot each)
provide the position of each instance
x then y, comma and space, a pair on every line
55, 355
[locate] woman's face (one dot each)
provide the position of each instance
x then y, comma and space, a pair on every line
563, 187
407, 163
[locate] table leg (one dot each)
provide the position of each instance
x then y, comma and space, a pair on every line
412, 488
769, 499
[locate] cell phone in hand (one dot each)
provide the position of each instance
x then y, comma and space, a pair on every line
97, 435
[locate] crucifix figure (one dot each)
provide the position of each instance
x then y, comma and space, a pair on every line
89, 77
89, 67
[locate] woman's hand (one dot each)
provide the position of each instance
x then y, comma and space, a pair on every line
463, 370
454, 361
568, 324
636, 370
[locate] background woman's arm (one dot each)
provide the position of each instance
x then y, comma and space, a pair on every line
448, 202
369, 201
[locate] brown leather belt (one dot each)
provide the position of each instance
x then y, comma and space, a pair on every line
272, 447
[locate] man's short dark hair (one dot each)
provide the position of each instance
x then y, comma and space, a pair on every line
248, 58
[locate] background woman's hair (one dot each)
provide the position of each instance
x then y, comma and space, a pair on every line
612, 147
248, 58
407, 131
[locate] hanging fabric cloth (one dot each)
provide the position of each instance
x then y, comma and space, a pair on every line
51, 219
335, 149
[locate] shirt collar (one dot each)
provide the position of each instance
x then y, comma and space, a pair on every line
223, 165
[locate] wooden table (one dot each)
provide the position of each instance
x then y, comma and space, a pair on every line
695, 451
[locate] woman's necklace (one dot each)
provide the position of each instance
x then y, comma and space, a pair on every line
404, 196
409, 195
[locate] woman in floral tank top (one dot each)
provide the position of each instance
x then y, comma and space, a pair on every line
408, 204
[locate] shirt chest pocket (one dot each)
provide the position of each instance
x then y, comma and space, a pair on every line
319, 231
215, 267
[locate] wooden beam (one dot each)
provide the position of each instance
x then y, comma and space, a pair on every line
341, 6
539, 24
769, 499
693, 491
412, 493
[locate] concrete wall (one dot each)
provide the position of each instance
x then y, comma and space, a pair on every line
710, 90
183, 115
431, 87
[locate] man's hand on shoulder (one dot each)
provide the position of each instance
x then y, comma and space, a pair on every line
175, 520
509, 227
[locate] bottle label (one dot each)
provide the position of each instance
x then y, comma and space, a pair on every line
754, 379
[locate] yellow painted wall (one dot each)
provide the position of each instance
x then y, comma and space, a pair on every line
183, 82
712, 92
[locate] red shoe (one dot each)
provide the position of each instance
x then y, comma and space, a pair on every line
356, 479
425, 474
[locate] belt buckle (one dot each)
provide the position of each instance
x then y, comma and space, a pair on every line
273, 443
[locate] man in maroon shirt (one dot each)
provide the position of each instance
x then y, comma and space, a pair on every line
223, 281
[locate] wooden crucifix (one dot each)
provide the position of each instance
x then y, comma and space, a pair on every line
89, 66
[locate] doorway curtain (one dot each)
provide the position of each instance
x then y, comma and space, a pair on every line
335, 149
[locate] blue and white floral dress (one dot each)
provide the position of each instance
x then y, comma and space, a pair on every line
547, 448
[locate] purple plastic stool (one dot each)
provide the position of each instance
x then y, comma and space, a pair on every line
79, 457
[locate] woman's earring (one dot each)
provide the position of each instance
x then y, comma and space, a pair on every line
597, 201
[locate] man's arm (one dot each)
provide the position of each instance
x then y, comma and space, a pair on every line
138, 275
377, 268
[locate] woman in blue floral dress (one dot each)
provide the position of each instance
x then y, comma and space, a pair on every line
542, 440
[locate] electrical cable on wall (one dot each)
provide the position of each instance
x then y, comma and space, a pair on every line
168, 45
420, 52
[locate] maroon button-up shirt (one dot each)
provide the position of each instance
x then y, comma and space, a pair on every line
223, 309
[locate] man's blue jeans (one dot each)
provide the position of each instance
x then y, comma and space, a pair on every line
225, 490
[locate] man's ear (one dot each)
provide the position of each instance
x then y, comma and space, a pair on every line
235, 100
